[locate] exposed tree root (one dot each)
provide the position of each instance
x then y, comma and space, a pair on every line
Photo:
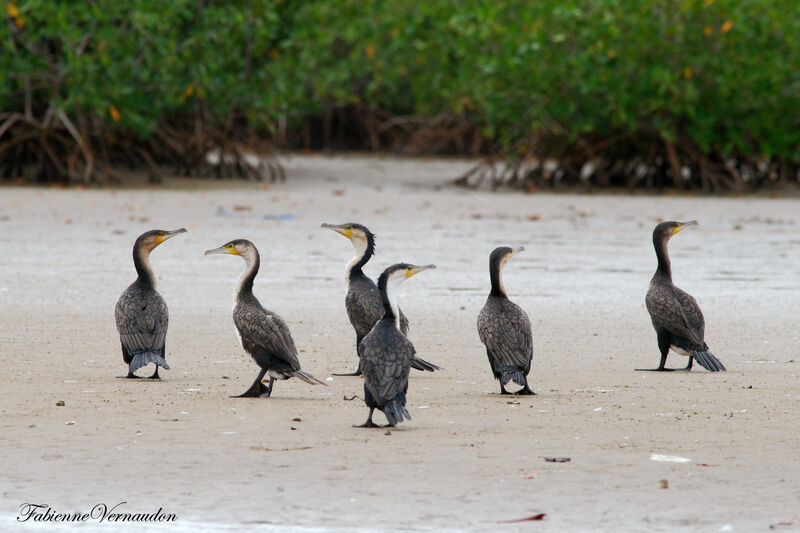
57, 147
84, 150
645, 161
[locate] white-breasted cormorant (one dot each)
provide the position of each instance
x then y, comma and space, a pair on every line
504, 328
263, 334
386, 354
676, 317
141, 313
363, 301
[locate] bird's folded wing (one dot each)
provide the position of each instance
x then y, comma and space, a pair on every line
262, 330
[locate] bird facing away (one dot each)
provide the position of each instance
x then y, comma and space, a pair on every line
386, 354
363, 301
505, 330
676, 317
263, 334
141, 313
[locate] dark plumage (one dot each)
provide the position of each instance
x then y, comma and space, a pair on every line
676, 317
363, 304
505, 330
141, 313
263, 334
363, 301
386, 354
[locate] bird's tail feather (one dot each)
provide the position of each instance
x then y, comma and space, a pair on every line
395, 412
512, 373
308, 378
707, 360
145, 358
422, 364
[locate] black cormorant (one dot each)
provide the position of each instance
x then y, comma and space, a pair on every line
505, 330
141, 313
363, 302
386, 354
676, 316
263, 334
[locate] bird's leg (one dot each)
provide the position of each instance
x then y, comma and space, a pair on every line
503, 390
689, 364
369, 423
358, 371
257, 389
269, 387
663, 346
130, 375
155, 374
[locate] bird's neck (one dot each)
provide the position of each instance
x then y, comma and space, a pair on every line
141, 260
389, 296
364, 249
496, 275
252, 263
664, 269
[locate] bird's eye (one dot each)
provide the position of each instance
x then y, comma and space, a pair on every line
348, 226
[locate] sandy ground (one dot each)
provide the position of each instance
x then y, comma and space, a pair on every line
470, 459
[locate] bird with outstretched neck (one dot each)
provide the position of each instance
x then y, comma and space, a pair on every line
676, 317
386, 354
362, 300
263, 334
504, 328
141, 312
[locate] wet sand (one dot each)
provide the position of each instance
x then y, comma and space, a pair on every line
470, 459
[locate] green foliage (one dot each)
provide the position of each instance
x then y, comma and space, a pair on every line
146, 59
724, 75
715, 77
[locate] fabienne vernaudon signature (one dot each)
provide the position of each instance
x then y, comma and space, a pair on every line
101, 512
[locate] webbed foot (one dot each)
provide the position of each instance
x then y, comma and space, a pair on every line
371, 424
256, 390
356, 373
662, 369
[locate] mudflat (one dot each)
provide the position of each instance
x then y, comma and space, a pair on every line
470, 459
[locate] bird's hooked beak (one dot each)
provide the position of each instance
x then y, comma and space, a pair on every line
413, 270
338, 229
683, 225
224, 249
516, 251
169, 234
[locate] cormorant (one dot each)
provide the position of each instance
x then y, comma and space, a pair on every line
363, 301
263, 334
141, 313
676, 317
386, 354
504, 328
